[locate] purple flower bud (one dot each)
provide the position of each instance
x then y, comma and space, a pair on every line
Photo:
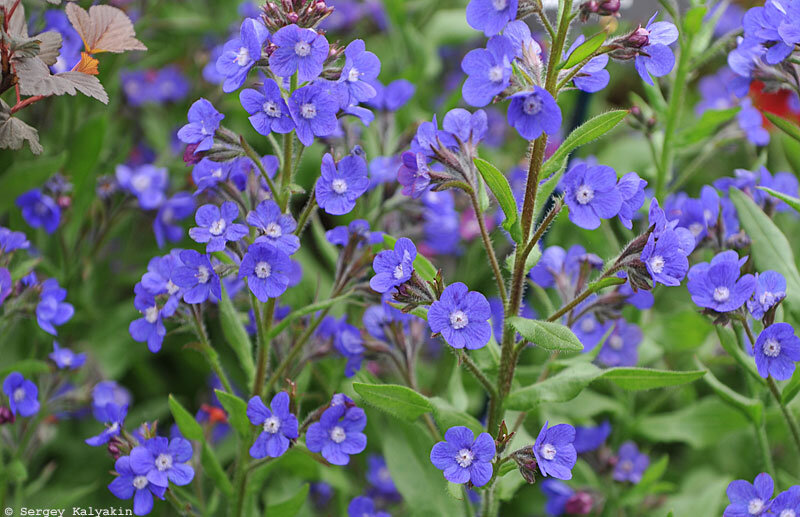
580, 503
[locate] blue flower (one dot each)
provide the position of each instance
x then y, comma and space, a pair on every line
215, 226
429, 138
655, 56
52, 309
164, 461
414, 174
6, 284
393, 267
203, 123
356, 229
775, 26
488, 71
770, 290
39, 210
158, 280
278, 424
268, 111
560, 268
777, 349
134, 483
275, 227
299, 50
208, 173
314, 113
631, 189
593, 76
360, 69
554, 451
266, 269
150, 327
787, 504
752, 123
348, 342
462, 457
197, 277
12, 241
379, 477
362, 506
105, 392
240, 54
534, 112
717, 285
165, 225
491, 16
22, 394
341, 184
147, 182
588, 439
113, 416
591, 194
621, 347
631, 463
462, 317
469, 128
748, 499
65, 358
558, 494
587, 328
391, 97
338, 434
664, 258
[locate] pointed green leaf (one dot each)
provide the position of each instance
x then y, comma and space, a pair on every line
299, 313
789, 200
546, 334
214, 470
792, 387
422, 265
236, 335
648, 379
752, 408
27, 367
585, 49
398, 401
188, 426
291, 506
237, 413
727, 339
785, 125
501, 189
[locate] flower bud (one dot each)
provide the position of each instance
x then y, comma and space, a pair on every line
6, 416
580, 503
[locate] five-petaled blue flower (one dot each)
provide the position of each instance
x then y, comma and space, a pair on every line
341, 184
555, 452
363, 506
113, 415
215, 226
150, 327
52, 310
462, 317
134, 483
147, 182
299, 50
39, 210
748, 499
22, 394
717, 285
393, 267
488, 71
197, 278
164, 460
276, 228
631, 463
622, 345
267, 270
490, 16
240, 54
462, 457
314, 113
777, 349
655, 56
278, 424
267, 108
361, 68
534, 112
65, 358
338, 434
591, 194
203, 123
770, 290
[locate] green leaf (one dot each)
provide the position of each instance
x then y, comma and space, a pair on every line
236, 335
23, 268
422, 265
728, 341
585, 49
289, 507
420, 312
447, 416
27, 367
769, 247
188, 426
650, 477
789, 200
701, 424
501, 189
299, 313
605, 282
792, 387
85, 148
237, 413
398, 401
546, 334
693, 21
647, 379
22, 176
785, 125
752, 408
705, 126
214, 470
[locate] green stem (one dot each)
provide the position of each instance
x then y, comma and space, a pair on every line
763, 444
311, 205
487, 243
208, 351
255, 158
297, 347
476, 372
264, 323
791, 422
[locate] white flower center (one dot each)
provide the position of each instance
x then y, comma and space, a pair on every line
263, 270
339, 186
548, 451
721, 294
458, 319
788, 513
587, 325
696, 228
657, 264
271, 109
164, 462
242, 57
353, 75
615, 342
272, 424
19, 394
139, 482
465, 457
584, 194
499, 5
532, 105
217, 173
141, 182
707, 215
203, 274
308, 111
217, 227
755, 506
496, 74
302, 49
626, 466
273, 230
398, 272
767, 298
771, 348
151, 314
172, 288
67, 360
338, 435
113, 427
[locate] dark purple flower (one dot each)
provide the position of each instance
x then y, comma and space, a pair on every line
588, 439
341, 184
656, 57
113, 415
299, 50
488, 71
65, 358
749, 499
777, 350
266, 269
631, 463
338, 434
770, 290
147, 182
534, 112
360, 69
362, 506
491, 16
358, 228
414, 174
554, 451
717, 285
215, 226
240, 54
150, 327
12, 241
203, 123
314, 113
593, 76
165, 225
622, 346
39, 210
268, 111
275, 227
164, 461
462, 317
197, 278
52, 310
278, 424
462, 457
134, 483
591, 194
22, 394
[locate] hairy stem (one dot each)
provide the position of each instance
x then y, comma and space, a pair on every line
208, 351
487, 243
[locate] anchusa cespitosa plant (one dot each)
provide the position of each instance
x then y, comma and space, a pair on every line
384, 258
